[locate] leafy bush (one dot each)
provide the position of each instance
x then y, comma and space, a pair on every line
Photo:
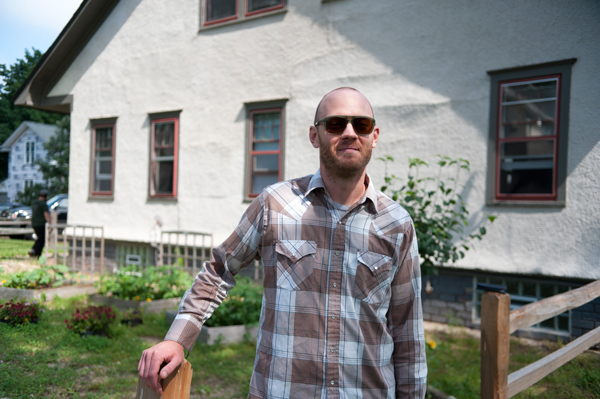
93, 319
44, 277
20, 312
134, 283
437, 210
241, 306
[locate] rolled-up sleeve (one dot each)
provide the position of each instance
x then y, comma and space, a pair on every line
217, 277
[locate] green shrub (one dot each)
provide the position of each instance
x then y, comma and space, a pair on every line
93, 319
437, 210
241, 306
44, 277
135, 283
20, 312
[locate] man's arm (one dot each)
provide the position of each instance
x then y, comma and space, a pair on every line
207, 292
405, 320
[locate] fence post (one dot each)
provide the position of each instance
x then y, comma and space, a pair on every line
495, 344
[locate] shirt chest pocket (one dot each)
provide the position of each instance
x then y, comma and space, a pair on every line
373, 277
295, 264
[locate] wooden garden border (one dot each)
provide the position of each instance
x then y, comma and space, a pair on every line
498, 322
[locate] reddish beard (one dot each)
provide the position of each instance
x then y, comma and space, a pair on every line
343, 167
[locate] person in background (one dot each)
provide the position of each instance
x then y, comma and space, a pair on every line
341, 314
40, 214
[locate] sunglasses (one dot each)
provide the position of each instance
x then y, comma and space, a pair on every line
336, 124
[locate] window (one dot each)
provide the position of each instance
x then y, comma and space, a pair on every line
103, 159
163, 157
221, 11
29, 152
529, 112
523, 293
27, 183
265, 145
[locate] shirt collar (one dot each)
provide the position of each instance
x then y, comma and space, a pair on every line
316, 181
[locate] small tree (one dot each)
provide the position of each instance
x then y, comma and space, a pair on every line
437, 210
30, 194
55, 167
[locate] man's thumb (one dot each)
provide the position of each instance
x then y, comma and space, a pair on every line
168, 369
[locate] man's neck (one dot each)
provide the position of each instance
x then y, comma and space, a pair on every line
346, 190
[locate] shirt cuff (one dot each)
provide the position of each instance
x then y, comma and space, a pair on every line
185, 330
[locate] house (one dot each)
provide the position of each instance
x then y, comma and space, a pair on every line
24, 146
182, 111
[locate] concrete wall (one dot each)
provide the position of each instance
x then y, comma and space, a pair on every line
423, 66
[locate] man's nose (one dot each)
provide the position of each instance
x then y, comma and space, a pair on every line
349, 132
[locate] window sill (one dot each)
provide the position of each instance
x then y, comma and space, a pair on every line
243, 19
101, 198
161, 199
531, 204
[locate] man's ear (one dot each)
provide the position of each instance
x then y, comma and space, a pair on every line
375, 136
313, 136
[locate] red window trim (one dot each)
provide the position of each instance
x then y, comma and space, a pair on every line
216, 21
248, 14
93, 176
555, 138
175, 120
252, 152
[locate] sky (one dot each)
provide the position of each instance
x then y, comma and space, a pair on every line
31, 23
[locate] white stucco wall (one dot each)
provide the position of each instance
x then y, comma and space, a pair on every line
423, 67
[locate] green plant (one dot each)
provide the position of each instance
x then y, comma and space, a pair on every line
93, 319
437, 209
133, 282
241, 306
20, 312
44, 277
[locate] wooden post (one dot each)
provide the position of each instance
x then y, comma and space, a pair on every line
175, 386
495, 345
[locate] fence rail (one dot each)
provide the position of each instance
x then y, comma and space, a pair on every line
80, 247
187, 249
498, 322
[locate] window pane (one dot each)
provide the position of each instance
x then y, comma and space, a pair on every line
266, 163
266, 127
164, 139
219, 9
104, 138
527, 167
162, 177
547, 290
256, 5
103, 185
269, 146
529, 91
529, 120
259, 182
105, 167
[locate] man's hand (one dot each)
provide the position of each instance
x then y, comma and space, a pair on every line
169, 352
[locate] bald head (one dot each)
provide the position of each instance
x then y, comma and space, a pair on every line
336, 95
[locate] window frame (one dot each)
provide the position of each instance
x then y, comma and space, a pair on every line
241, 13
562, 71
153, 121
263, 108
102, 194
29, 152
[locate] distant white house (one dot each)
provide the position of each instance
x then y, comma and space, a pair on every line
24, 146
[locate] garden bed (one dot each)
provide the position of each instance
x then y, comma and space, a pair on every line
66, 291
155, 306
224, 335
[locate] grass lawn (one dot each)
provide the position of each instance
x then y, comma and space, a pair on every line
14, 249
454, 367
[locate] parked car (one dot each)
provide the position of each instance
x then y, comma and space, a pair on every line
22, 213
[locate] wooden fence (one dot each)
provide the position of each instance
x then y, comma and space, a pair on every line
498, 322
185, 249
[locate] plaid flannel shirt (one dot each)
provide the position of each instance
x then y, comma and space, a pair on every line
341, 314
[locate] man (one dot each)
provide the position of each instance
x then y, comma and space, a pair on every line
341, 313
40, 214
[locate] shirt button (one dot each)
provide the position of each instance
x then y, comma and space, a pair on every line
337, 252
331, 350
334, 285
332, 382
333, 317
